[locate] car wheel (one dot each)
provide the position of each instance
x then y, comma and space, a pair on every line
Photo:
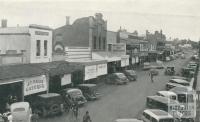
55, 109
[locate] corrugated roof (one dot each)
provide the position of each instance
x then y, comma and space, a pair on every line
19, 71
58, 67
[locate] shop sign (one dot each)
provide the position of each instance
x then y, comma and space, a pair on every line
90, 72
136, 59
101, 69
118, 47
66, 79
124, 62
34, 85
133, 60
41, 33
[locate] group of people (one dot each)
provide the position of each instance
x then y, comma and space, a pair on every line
11, 99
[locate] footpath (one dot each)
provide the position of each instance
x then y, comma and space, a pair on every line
198, 98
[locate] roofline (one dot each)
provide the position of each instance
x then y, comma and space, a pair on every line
28, 34
40, 27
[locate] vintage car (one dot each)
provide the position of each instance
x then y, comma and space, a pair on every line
159, 65
180, 81
170, 70
47, 104
187, 72
180, 77
172, 85
2, 118
146, 66
74, 95
89, 91
117, 79
21, 112
131, 75
127, 120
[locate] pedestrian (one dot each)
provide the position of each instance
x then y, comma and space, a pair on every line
76, 110
151, 75
86, 117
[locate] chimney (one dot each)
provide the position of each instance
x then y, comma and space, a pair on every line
67, 20
4, 23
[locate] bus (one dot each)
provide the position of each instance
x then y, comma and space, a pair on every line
186, 97
156, 115
163, 103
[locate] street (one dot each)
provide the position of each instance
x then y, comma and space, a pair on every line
125, 101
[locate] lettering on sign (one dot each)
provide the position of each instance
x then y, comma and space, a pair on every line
90, 72
101, 69
34, 85
41, 33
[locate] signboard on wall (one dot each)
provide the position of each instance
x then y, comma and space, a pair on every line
90, 72
35, 85
124, 62
66, 79
101, 69
119, 47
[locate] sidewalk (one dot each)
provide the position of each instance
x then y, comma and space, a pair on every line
198, 98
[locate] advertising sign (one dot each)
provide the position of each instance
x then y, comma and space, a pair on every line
124, 62
101, 69
90, 72
34, 85
118, 47
66, 79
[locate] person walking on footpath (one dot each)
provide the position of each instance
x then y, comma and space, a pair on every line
86, 117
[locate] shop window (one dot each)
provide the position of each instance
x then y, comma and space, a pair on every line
38, 48
45, 47
94, 42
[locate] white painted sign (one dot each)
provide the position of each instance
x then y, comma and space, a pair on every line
90, 72
133, 60
66, 79
136, 60
101, 69
34, 85
124, 62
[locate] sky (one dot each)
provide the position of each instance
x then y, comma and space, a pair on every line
177, 18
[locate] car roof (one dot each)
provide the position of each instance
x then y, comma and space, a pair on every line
128, 120
179, 80
49, 95
174, 84
20, 105
158, 114
118, 73
162, 99
166, 93
87, 85
183, 89
72, 90
179, 77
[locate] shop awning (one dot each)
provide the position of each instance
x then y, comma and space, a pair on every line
110, 57
58, 67
89, 62
18, 71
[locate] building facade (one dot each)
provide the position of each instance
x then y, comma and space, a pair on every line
30, 44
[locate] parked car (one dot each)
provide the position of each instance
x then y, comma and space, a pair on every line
89, 91
47, 104
128, 120
74, 95
21, 112
159, 65
180, 77
170, 70
180, 81
146, 66
117, 79
172, 85
131, 75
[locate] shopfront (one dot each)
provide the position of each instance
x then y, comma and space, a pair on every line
19, 81
124, 61
143, 57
